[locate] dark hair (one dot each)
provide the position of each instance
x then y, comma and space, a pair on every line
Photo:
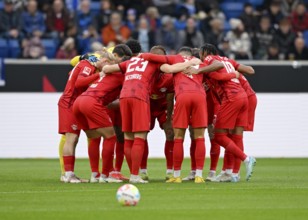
122, 50
209, 49
196, 52
134, 45
159, 47
187, 50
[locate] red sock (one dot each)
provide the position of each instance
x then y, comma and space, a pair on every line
178, 154
215, 152
119, 156
144, 162
128, 144
192, 155
223, 140
136, 155
228, 161
107, 154
169, 154
93, 152
69, 163
200, 153
238, 140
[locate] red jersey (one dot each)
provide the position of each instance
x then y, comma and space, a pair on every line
106, 89
232, 87
79, 79
246, 86
139, 78
184, 83
162, 86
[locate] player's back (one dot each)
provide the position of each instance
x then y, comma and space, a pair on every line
184, 83
71, 92
161, 86
139, 76
107, 88
246, 86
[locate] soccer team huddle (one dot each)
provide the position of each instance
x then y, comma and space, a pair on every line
117, 94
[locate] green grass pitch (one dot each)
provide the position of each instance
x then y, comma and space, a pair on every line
30, 189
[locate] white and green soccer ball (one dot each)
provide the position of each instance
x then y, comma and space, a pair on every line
128, 195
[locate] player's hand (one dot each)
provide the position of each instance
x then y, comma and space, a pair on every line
191, 71
195, 61
237, 74
102, 74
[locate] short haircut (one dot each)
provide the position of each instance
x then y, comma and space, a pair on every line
209, 48
159, 47
134, 45
122, 50
186, 50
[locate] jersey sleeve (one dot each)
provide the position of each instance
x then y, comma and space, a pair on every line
85, 81
221, 76
208, 60
234, 63
123, 66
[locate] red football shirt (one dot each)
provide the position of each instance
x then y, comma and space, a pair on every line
82, 72
139, 77
162, 86
232, 88
106, 89
184, 83
246, 86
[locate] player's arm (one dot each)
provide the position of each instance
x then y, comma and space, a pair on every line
179, 67
223, 76
245, 69
85, 81
111, 68
170, 104
155, 58
214, 66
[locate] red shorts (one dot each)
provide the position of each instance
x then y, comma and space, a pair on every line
90, 113
232, 114
135, 115
252, 104
190, 109
115, 116
158, 111
67, 121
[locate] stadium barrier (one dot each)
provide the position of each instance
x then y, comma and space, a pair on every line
29, 117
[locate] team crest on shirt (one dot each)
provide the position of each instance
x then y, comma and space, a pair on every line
74, 127
86, 70
163, 89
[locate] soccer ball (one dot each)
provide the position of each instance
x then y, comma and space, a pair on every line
128, 195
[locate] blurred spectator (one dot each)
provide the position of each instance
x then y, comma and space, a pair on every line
190, 6
249, 18
44, 5
273, 52
213, 14
153, 18
224, 49
274, 12
58, 19
103, 17
115, 31
131, 19
239, 40
287, 6
166, 7
284, 36
33, 48
207, 5
167, 35
84, 19
216, 34
10, 22
180, 23
299, 51
96, 46
191, 36
299, 18
67, 49
262, 38
33, 23
144, 35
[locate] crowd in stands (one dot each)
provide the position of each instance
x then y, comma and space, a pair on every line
256, 29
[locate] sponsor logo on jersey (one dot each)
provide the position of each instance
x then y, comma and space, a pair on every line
133, 76
74, 127
86, 70
163, 89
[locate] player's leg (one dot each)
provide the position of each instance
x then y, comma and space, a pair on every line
167, 126
144, 162
237, 137
61, 146
199, 153
94, 156
192, 151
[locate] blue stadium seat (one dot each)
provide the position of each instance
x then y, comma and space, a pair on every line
95, 7
232, 9
14, 48
3, 48
305, 35
256, 2
1, 4
50, 47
